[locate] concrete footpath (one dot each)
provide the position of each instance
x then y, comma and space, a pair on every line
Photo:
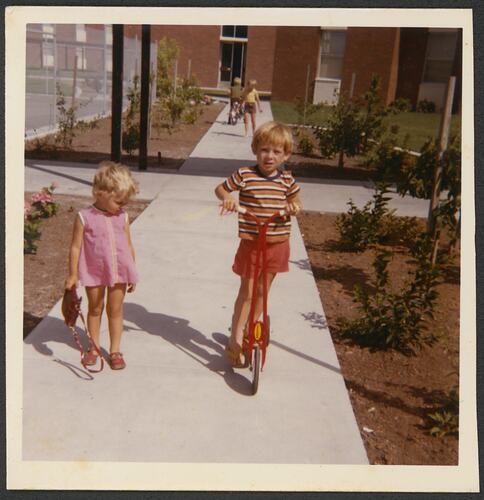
178, 400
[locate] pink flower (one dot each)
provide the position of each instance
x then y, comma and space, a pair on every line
27, 208
41, 197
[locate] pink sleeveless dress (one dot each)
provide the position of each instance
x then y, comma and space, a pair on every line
105, 258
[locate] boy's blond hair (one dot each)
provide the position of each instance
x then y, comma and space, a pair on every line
273, 133
253, 82
114, 178
237, 81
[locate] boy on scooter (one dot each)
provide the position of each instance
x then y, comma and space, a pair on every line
263, 189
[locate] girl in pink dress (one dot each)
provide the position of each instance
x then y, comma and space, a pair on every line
102, 255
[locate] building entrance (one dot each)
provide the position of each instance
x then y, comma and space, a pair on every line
232, 62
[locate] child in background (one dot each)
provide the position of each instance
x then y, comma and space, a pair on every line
263, 189
235, 100
102, 255
250, 98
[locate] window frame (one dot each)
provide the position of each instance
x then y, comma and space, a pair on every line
318, 73
450, 31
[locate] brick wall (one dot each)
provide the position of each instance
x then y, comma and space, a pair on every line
260, 56
371, 51
295, 49
413, 43
200, 44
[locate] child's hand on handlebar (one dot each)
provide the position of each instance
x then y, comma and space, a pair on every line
293, 208
228, 205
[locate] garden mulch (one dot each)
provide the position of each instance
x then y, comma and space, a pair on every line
391, 393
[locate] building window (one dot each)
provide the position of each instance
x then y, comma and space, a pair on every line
47, 45
80, 33
439, 58
332, 52
108, 33
81, 58
234, 32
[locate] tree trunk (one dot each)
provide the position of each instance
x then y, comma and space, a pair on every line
341, 159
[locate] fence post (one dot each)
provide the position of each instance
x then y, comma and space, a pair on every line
306, 94
74, 82
352, 85
432, 228
117, 92
54, 92
145, 95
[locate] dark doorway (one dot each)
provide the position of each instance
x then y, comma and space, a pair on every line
232, 62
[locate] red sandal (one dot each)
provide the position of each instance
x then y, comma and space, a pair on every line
89, 358
116, 361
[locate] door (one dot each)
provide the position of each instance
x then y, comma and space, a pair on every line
232, 62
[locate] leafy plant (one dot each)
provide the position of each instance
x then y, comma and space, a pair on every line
41, 206
374, 223
354, 124
131, 134
446, 419
305, 144
397, 320
401, 104
168, 52
68, 123
426, 106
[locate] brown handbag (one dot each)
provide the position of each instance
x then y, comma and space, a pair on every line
71, 310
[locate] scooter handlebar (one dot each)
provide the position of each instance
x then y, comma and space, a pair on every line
243, 210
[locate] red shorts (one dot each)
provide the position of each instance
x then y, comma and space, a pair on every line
245, 258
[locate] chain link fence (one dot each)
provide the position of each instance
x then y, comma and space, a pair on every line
76, 60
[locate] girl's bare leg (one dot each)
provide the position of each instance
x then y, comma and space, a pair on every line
252, 117
95, 299
246, 123
114, 310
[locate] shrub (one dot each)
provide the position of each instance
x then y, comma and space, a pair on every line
397, 320
401, 104
131, 134
42, 206
305, 145
445, 420
425, 106
374, 223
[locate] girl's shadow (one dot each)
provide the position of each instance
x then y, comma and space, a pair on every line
179, 333
54, 330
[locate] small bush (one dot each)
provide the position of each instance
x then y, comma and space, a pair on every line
426, 106
446, 419
374, 224
401, 104
305, 145
41, 206
396, 320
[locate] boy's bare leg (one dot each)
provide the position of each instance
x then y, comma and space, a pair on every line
246, 123
259, 301
95, 300
241, 311
114, 310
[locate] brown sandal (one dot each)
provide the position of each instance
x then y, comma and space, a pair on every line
236, 356
116, 361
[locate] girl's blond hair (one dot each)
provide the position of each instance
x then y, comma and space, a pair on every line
114, 178
273, 133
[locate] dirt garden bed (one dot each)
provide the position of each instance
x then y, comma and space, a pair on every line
391, 394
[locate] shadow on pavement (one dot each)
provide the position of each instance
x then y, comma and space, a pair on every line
179, 333
54, 330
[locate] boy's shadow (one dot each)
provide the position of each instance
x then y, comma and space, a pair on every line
54, 330
179, 333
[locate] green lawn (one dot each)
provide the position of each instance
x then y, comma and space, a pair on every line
419, 126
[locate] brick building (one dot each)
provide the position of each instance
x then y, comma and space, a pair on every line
290, 61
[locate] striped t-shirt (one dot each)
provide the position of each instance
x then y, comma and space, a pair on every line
263, 196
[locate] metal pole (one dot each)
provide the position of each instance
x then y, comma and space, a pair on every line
117, 92
189, 68
175, 76
105, 73
352, 86
54, 93
306, 94
74, 82
145, 95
